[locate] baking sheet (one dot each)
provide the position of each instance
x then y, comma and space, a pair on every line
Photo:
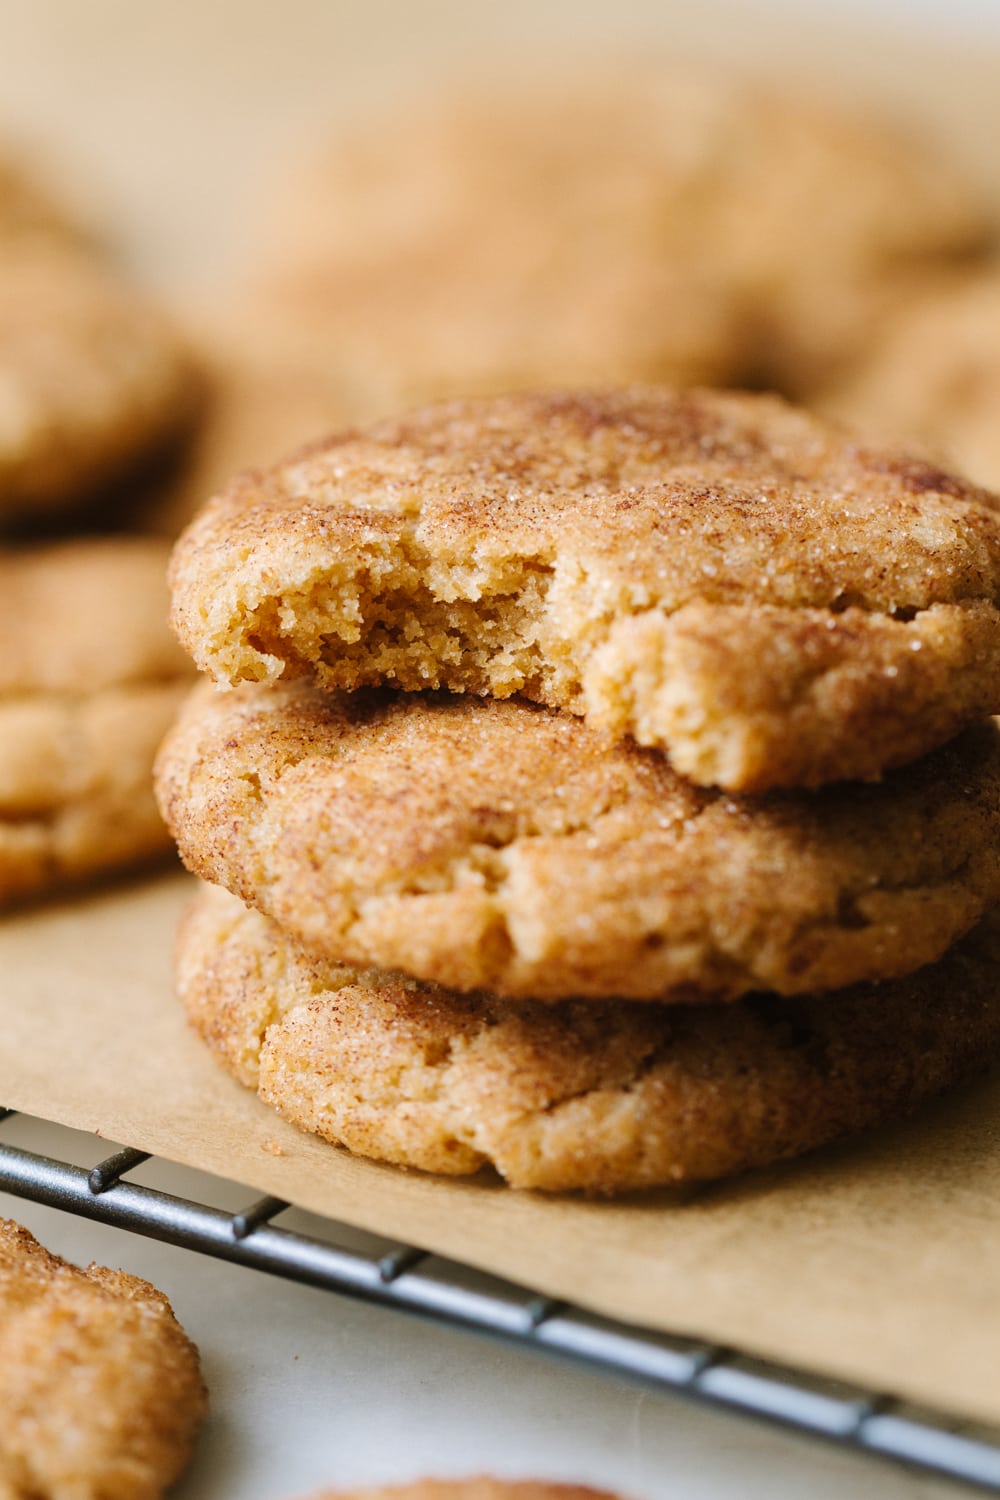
878, 1262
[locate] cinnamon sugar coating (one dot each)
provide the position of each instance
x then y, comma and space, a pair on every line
498, 845
100, 1387
720, 576
603, 1098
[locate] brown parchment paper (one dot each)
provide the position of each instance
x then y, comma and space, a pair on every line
877, 1262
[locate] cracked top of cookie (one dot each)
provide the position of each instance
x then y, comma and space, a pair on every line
508, 847
718, 575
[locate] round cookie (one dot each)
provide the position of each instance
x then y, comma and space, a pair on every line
93, 380
720, 576
100, 1387
603, 1098
502, 846
934, 379
482, 1487
648, 224
90, 679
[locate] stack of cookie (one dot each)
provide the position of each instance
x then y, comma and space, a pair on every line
606, 790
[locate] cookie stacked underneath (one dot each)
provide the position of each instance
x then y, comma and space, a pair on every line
618, 908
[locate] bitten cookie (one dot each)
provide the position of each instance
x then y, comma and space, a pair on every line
100, 1387
603, 1098
720, 576
648, 224
90, 678
502, 846
933, 380
93, 380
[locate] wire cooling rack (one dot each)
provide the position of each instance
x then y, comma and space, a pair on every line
413, 1280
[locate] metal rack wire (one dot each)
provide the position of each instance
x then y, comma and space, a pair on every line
412, 1280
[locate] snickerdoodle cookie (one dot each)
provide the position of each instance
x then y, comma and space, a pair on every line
934, 379
100, 1387
720, 576
93, 379
482, 1487
661, 223
90, 678
603, 1097
504, 846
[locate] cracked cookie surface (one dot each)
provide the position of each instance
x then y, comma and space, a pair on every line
599, 1097
499, 845
100, 1387
90, 679
720, 576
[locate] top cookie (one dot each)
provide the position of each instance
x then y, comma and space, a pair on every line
659, 224
717, 575
100, 1389
934, 380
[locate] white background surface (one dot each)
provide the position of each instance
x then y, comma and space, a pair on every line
174, 113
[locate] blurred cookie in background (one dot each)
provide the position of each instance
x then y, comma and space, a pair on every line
90, 679
260, 399
933, 381
95, 381
30, 206
666, 224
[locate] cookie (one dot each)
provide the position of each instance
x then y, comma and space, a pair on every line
934, 379
90, 679
100, 1387
720, 576
482, 1487
93, 380
600, 1097
498, 845
648, 224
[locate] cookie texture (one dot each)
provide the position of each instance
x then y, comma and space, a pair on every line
720, 576
933, 380
482, 1487
257, 401
499, 845
90, 679
648, 224
603, 1098
93, 379
100, 1387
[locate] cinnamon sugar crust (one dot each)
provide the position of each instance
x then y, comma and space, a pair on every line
499, 845
604, 1098
100, 1387
720, 576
